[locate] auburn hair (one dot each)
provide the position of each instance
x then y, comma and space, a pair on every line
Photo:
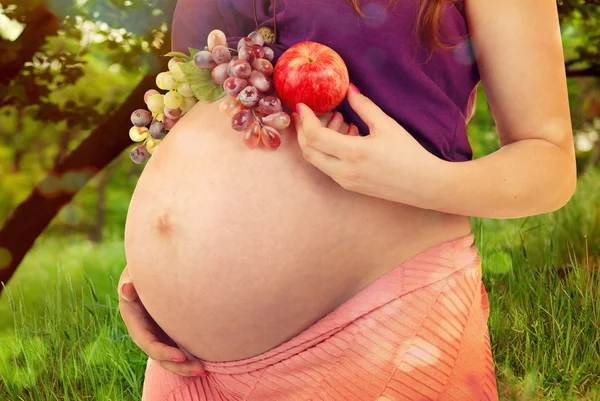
428, 23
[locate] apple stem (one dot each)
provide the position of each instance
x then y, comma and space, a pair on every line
256, 118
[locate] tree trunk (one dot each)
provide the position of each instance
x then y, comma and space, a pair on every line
34, 214
18, 155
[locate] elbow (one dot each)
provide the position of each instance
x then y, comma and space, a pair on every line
565, 188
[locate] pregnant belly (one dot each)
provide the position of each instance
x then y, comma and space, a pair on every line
233, 251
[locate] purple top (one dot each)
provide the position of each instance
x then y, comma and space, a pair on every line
431, 101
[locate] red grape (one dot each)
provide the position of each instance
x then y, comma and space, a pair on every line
219, 74
234, 85
241, 68
269, 105
220, 54
258, 80
252, 135
270, 137
241, 120
249, 96
263, 66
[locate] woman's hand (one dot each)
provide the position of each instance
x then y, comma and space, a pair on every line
146, 334
388, 164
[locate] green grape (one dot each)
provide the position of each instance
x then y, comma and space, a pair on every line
159, 80
184, 89
156, 103
188, 103
138, 134
151, 144
176, 70
173, 100
166, 81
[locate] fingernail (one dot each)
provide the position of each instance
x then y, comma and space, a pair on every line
121, 290
354, 88
178, 359
332, 117
298, 108
196, 373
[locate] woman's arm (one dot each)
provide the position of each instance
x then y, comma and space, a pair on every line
520, 58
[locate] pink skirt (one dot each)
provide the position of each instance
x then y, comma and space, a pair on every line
417, 333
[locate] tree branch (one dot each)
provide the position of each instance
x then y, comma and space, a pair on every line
41, 24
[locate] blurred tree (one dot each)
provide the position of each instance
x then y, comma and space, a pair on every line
134, 35
580, 21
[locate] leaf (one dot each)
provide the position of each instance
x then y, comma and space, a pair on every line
201, 82
193, 51
178, 54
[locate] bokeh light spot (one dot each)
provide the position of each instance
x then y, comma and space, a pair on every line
71, 214
5, 258
50, 186
420, 353
73, 181
464, 53
375, 14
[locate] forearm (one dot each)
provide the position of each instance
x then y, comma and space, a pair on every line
523, 178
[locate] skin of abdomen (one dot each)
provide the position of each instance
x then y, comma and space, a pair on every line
234, 251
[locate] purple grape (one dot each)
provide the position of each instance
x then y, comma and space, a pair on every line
258, 51
141, 117
247, 53
264, 66
203, 59
220, 54
219, 74
241, 69
269, 105
157, 130
139, 154
241, 120
234, 85
244, 42
249, 96
257, 38
269, 54
259, 80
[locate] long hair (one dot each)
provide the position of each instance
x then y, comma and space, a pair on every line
428, 23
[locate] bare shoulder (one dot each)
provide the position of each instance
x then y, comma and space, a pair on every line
519, 53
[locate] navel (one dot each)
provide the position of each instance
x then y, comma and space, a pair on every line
163, 225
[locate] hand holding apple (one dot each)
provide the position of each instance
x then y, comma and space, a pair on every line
313, 74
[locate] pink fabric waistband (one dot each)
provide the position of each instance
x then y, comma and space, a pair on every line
428, 267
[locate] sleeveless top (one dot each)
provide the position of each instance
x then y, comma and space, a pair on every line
432, 100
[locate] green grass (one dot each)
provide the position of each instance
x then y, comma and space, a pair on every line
61, 336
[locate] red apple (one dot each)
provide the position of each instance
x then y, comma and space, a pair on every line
313, 74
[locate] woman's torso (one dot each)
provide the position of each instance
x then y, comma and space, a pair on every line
233, 251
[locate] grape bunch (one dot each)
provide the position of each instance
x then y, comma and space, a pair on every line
246, 76
164, 111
